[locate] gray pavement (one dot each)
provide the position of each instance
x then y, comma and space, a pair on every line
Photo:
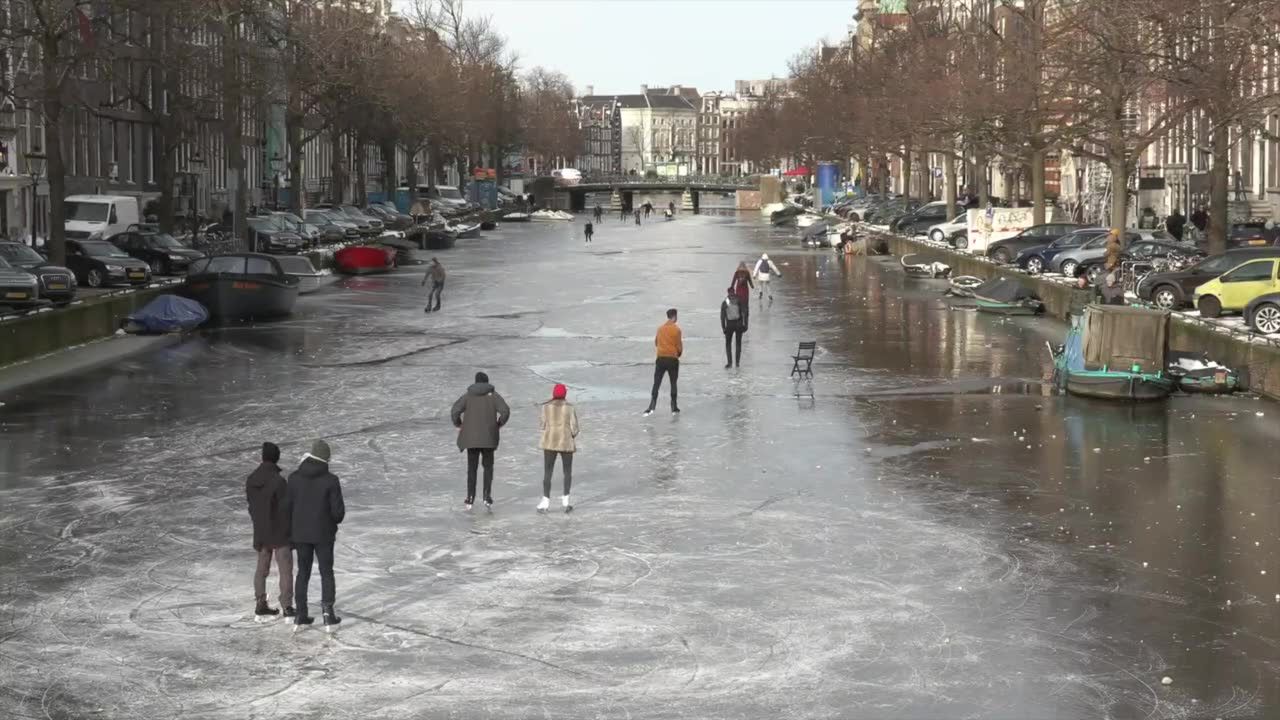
928, 537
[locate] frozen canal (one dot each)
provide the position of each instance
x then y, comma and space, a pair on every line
907, 544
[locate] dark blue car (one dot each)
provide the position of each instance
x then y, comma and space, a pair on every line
1035, 259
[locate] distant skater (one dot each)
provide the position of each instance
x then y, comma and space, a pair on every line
623, 214
268, 497
435, 273
588, 230
669, 342
637, 217
733, 323
742, 287
672, 207
479, 415
765, 269
648, 208
559, 424
598, 213
316, 511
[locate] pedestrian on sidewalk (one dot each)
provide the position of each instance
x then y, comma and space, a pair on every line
669, 342
435, 273
316, 511
479, 414
765, 269
733, 323
268, 498
559, 424
588, 230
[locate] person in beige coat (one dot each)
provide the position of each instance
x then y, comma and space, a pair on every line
559, 425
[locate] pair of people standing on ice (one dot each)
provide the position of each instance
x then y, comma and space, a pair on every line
300, 515
480, 415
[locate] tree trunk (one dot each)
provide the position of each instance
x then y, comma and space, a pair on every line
166, 174
907, 168
949, 180
1119, 192
336, 179
1219, 197
390, 172
1037, 187
434, 166
297, 184
55, 236
232, 126
980, 177
361, 190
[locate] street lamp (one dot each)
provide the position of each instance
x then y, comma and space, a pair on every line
35, 166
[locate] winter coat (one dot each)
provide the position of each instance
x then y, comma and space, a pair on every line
742, 284
1112, 257
669, 341
436, 273
728, 325
766, 267
268, 497
559, 425
478, 414
315, 500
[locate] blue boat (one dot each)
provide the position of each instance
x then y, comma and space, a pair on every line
1115, 353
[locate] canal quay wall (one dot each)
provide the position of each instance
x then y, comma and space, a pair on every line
1257, 359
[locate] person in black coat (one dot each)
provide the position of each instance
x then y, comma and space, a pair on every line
315, 501
267, 493
733, 322
1175, 224
1200, 219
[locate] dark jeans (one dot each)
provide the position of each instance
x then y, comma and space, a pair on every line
323, 552
437, 289
477, 456
549, 466
730, 336
669, 366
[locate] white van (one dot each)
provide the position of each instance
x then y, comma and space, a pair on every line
98, 217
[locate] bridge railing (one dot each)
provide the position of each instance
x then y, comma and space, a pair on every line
673, 181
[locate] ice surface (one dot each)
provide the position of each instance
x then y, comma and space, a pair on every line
888, 549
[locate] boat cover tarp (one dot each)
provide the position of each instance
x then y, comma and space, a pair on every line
1120, 337
1005, 290
169, 313
1073, 348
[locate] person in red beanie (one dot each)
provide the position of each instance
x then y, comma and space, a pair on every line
559, 425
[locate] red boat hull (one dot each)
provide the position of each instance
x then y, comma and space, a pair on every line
363, 259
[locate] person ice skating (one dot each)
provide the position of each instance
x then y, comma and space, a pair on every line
587, 231
316, 511
648, 208
733, 323
637, 218
479, 414
623, 214
598, 213
559, 424
268, 498
670, 346
764, 270
671, 207
435, 273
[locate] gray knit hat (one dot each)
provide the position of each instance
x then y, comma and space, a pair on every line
320, 450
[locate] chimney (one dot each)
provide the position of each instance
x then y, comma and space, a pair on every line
644, 89
675, 89
591, 90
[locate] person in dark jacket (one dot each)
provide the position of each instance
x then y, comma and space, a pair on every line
588, 230
436, 274
479, 414
267, 493
733, 322
316, 510
1175, 223
1200, 219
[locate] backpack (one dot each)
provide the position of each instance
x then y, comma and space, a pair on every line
732, 310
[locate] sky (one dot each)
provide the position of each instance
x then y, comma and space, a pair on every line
617, 45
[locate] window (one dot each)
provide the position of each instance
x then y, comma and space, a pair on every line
1215, 265
260, 266
1143, 250
1252, 271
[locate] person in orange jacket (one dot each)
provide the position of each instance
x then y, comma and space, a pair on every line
670, 344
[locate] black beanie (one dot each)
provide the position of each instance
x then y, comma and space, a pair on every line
482, 378
270, 452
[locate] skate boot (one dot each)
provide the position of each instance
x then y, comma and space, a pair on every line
488, 503
301, 619
544, 503
329, 618
466, 504
568, 506
264, 611
290, 612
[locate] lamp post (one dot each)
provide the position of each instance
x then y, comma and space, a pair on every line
35, 166
194, 163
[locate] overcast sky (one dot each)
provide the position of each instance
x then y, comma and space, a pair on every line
616, 45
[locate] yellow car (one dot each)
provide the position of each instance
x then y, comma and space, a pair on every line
1233, 290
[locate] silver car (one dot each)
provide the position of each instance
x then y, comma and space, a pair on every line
1067, 262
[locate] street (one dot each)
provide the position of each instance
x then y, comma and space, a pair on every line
930, 535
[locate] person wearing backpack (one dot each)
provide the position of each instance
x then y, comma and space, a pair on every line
734, 323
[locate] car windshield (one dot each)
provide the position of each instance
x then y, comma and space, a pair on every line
4, 263
289, 216
19, 253
165, 241
103, 249
449, 192
262, 224
86, 211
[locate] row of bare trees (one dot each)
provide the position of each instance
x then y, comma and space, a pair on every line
1102, 80
435, 79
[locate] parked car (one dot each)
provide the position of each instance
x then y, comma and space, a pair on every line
1068, 261
1004, 251
1236, 288
945, 231
1172, 290
884, 211
311, 235
1036, 259
57, 283
98, 263
1251, 233
391, 218
322, 218
919, 221
446, 198
18, 288
365, 224
160, 251
1093, 268
266, 235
